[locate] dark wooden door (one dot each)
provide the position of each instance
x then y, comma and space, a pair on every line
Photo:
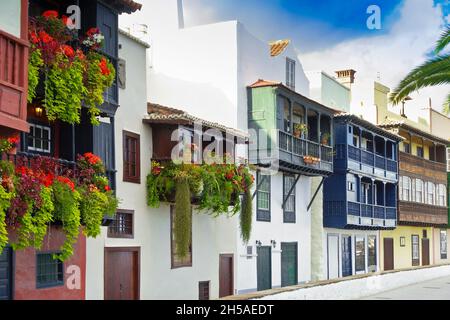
122, 273
425, 252
388, 244
264, 268
226, 280
289, 269
347, 256
6, 274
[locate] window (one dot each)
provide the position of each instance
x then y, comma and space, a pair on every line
360, 254
351, 186
290, 73
203, 290
406, 188
430, 193
372, 253
365, 187
121, 73
415, 250
406, 147
49, 271
289, 206
356, 141
448, 159
263, 197
420, 152
131, 157
442, 195
443, 245
249, 252
419, 190
39, 138
177, 261
122, 226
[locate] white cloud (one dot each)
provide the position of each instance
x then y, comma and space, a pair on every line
390, 55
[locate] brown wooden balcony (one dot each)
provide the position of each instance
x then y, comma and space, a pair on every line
421, 168
13, 82
412, 213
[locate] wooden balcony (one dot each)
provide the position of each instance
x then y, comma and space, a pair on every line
412, 213
417, 167
13, 82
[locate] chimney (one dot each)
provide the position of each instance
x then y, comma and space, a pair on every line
346, 77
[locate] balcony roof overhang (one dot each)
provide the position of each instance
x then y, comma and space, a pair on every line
351, 118
124, 6
158, 114
390, 124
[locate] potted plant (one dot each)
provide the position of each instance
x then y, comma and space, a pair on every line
311, 160
300, 130
325, 138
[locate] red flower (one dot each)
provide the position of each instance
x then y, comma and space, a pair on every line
34, 37
92, 31
107, 188
67, 182
92, 158
45, 37
67, 21
104, 67
156, 171
229, 175
68, 51
14, 140
50, 14
47, 180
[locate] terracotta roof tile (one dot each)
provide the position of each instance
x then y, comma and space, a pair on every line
264, 83
128, 6
160, 114
277, 47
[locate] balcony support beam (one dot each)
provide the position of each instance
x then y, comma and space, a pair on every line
290, 191
315, 194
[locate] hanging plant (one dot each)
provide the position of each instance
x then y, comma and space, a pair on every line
246, 216
5, 202
215, 188
183, 217
70, 76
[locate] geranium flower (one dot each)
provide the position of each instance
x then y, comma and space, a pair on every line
50, 14
67, 21
92, 158
92, 31
45, 37
14, 140
104, 67
48, 180
67, 182
34, 38
107, 188
68, 51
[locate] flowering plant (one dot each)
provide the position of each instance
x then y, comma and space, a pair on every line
9, 143
72, 75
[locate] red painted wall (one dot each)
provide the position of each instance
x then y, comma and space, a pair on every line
25, 270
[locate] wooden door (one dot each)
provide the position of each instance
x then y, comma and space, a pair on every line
388, 244
6, 274
226, 280
289, 269
425, 252
264, 268
122, 273
333, 256
347, 256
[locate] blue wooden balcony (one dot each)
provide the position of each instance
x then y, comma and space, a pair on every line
355, 215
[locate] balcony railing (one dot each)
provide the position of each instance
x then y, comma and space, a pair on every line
303, 147
433, 171
412, 212
371, 159
29, 160
371, 211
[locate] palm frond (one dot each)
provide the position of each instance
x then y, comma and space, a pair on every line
446, 107
434, 72
443, 41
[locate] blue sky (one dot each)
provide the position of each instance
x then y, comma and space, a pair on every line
313, 24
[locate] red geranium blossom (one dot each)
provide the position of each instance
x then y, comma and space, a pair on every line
67, 182
47, 180
68, 51
104, 67
107, 188
13, 140
50, 14
45, 37
67, 21
92, 31
92, 158
34, 37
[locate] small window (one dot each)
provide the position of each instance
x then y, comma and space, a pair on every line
415, 250
406, 147
290, 73
443, 246
419, 190
249, 252
431, 190
131, 157
448, 159
49, 271
289, 199
360, 254
420, 152
122, 226
442, 195
177, 261
351, 186
406, 189
203, 290
263, 197
39, 139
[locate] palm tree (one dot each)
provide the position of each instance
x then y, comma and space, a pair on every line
435, 71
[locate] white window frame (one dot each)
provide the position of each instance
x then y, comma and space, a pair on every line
419, 190
406, 188
448, 159
290, 73
442, 195
431, 189
42, 128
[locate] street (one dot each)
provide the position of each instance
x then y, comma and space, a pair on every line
437, 289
